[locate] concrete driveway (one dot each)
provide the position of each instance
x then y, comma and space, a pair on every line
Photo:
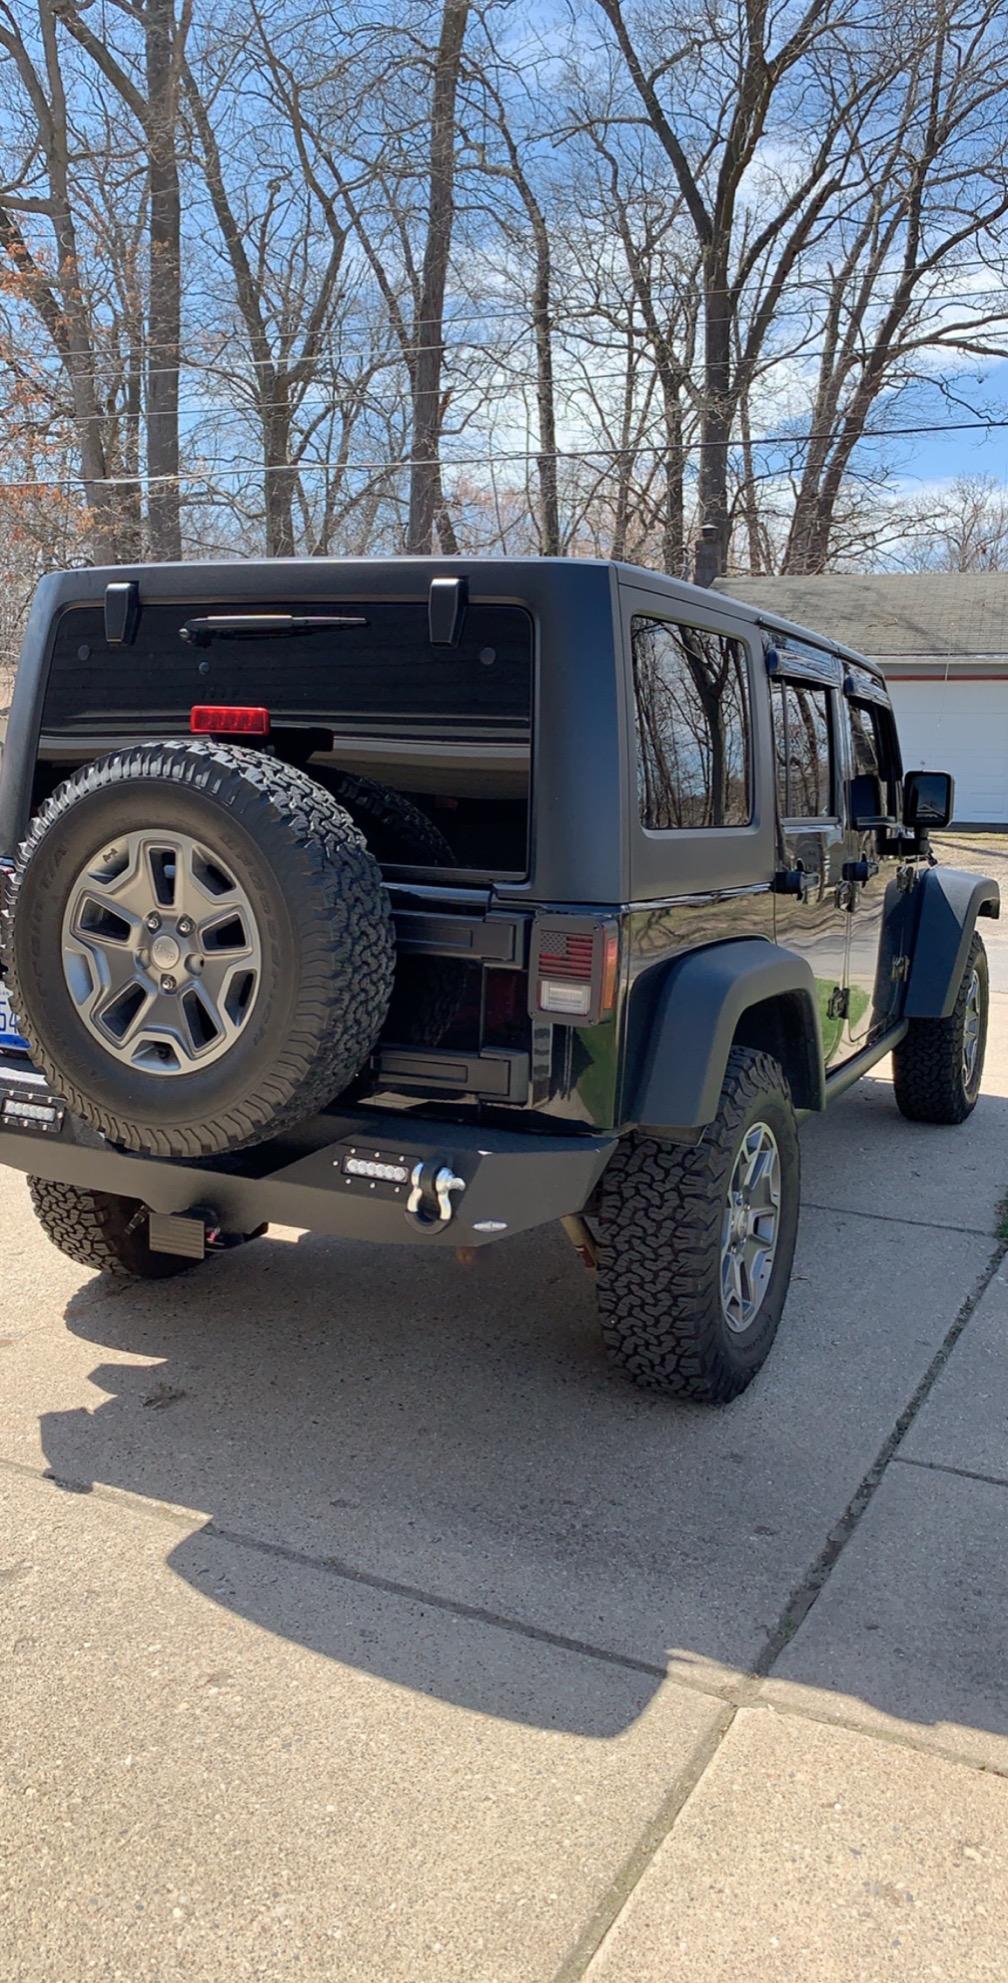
358, 1623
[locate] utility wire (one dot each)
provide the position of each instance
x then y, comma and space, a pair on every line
494, 314
449, 462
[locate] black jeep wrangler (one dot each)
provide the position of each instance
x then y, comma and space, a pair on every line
428, 901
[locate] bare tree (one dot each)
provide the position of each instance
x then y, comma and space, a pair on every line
966, 530
46, 264
284, 306
428, 361
936, 190
154, 103
707, 99
452, 279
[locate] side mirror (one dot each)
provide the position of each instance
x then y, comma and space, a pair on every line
866, 801
928, 799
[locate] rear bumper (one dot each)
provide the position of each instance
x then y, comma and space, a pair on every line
501, 1181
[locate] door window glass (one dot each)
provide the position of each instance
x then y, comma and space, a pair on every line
693, 725
874, 749
778, 709
802, 751
864, 743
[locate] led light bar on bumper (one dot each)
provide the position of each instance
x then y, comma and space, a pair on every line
575, 962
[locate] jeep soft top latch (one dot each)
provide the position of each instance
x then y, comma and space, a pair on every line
122, 612
446, 610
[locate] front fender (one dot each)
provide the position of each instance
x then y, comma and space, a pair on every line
950, 902
704, 1000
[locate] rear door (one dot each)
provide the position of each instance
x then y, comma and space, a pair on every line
811, 836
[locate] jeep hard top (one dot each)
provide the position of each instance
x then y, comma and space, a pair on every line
426, 901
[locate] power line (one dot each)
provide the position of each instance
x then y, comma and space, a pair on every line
252, 407
493, 310
505, 456
494, 314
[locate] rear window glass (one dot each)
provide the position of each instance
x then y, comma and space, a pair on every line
693, 728
376, 677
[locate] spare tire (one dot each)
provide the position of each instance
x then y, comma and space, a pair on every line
428, 991
199, 947
397, 832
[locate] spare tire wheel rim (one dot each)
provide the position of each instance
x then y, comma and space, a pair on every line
161, 952
750, 1227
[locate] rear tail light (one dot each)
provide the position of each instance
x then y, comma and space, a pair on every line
575, 964
228, 720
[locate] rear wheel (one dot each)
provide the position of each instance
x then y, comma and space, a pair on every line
938, 1065
696, 1242
98, 1230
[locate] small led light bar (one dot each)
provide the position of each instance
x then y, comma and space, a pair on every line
228, 720
373, 1167
40, 1112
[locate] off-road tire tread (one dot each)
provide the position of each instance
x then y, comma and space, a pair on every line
396, 830
660, 1210
927, 1064
340, 1017
428, 990
92, 1229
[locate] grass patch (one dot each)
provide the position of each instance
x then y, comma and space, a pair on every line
833, 1028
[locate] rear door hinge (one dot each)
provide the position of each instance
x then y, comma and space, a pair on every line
900, 968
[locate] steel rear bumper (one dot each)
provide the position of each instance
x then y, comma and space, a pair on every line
383, 1177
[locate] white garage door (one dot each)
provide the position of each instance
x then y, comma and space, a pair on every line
960, 727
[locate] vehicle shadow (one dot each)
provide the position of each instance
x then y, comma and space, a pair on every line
429, 1472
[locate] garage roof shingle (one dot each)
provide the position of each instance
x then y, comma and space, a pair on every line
945, 615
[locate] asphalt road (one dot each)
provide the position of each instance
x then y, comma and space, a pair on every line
358, 1623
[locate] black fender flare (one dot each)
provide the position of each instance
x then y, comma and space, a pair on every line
704, 999
951, 899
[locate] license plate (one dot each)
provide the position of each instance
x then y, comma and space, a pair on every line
11, 1040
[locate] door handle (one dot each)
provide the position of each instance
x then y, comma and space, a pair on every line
798, 881
861, 870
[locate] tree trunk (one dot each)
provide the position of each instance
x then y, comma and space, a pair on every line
545, 398
716, 419
673, 510
428, 357
279, 478
165, 306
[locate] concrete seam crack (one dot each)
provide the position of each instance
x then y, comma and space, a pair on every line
606, 1915
960, 1473
817, 1576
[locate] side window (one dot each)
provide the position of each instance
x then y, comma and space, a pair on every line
802, 750
693, 726
864, 744
874, 748
778, 711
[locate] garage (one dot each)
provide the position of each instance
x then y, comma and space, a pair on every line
958, 725
941, 639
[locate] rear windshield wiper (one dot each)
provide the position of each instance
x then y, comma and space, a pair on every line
263, 626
